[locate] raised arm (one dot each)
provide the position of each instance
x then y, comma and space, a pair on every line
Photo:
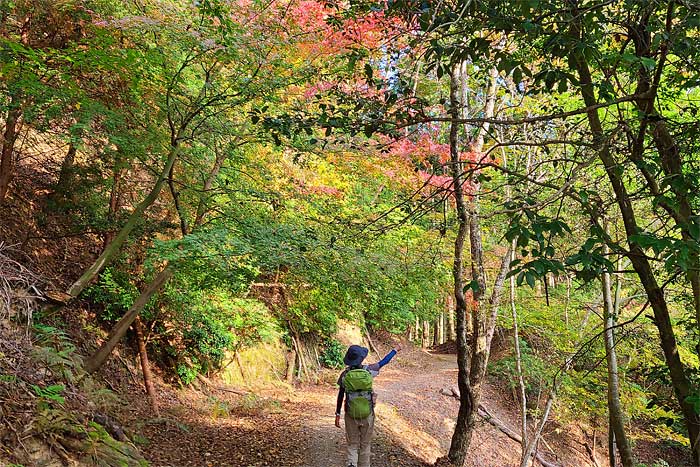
387, 358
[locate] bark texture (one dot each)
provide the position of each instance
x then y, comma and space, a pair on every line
9, 137
119, 239
467, 404
473, 350
636, 254
95, 361
616, 414
145, 366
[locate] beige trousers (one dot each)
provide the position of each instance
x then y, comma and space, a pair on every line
359, 436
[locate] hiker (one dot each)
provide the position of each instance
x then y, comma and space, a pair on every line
355, 386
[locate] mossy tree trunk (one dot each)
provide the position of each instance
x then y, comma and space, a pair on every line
136, 216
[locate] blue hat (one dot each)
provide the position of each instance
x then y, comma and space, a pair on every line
355, 355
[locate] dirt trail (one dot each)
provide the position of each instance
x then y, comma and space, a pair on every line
414, 425
415, 422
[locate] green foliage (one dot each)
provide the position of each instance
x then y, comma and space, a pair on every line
209, 324
187, 372
49, 395
332, 354
115, 292
55, 350
535, 372
8, 378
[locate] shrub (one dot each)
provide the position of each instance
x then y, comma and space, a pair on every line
332, 354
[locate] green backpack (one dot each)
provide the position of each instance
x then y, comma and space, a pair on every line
358, 389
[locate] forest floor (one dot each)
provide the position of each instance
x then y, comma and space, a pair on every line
283, 427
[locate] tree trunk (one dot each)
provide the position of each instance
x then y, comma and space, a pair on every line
95, 361
614, 404
417, 330
467, 405
638, 258
291, 366
426, 334
531, 446
442, 327
65, 176
370, 342
519, 368
113, 206
237, 356
145, 367
612, 458
65, 181
670, 157
303, 367
114, 247
568, 300
8, 146
436, 332
451, 332
472, 357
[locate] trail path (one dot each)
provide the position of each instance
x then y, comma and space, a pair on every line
414, 425
414, 421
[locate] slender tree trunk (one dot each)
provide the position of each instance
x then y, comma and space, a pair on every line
612, 458
441, 338
113, 205
519, 368
8, 146
670, 154
370, 342
95, 361
426, 334
184, 228
614, 404
436, 332
64, 185
416, 327
145, 366
237, 356
291, 364
531, 446
472, 357
568, 299
303, 368
638, 258
467, 405
451, 332
114, 247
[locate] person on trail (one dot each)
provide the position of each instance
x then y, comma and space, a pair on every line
355, 386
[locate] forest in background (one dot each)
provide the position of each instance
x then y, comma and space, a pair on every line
202, 177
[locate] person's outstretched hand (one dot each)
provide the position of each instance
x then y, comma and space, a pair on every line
337, 421
397, 347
